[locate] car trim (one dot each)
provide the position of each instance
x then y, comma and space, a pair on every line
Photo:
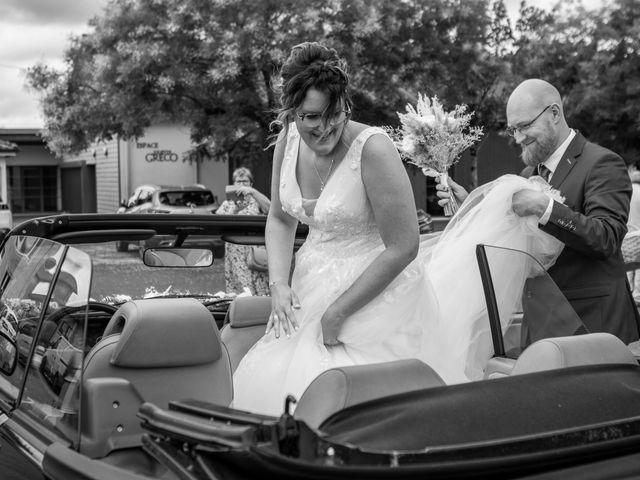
492, 304
92, 236
161, 223
30, 451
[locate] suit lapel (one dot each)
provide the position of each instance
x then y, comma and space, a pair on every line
569, 159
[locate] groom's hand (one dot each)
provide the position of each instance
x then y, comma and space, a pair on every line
444, 194
529, 202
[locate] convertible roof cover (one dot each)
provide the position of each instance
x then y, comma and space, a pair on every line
96, 225
491, 411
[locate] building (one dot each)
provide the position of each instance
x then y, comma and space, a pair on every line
7, 150
28, 173
35, 182
108, 172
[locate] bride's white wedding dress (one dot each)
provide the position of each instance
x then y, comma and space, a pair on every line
431, 311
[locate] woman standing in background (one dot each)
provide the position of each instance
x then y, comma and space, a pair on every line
243, 199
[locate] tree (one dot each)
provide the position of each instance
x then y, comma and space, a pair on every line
592, 57
210, 65
204, 64
605, 103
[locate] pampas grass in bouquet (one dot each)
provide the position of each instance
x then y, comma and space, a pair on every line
433, 138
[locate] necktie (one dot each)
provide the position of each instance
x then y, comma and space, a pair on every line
544, 172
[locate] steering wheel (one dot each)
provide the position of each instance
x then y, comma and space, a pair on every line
95, 306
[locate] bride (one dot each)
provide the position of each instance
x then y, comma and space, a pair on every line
365, 289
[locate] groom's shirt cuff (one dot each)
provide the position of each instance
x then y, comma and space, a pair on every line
547, 213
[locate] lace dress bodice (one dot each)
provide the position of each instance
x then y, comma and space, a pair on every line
342, 216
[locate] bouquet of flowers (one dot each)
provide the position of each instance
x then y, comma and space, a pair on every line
433, 138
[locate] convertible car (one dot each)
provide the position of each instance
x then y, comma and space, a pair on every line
118, 365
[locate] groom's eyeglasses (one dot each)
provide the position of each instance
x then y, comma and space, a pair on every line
511, 131
313, 120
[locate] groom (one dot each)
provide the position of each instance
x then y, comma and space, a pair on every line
591, 222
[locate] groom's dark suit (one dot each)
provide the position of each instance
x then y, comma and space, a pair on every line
592, 223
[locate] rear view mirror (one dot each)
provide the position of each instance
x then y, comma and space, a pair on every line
8, 354
178, 257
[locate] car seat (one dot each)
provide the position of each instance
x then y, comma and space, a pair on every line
153, 350
339, 388
244, 325
572, 351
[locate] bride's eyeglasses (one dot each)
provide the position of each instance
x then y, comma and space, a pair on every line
313, 120
511, 131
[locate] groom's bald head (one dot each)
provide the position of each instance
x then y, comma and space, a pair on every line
534, 94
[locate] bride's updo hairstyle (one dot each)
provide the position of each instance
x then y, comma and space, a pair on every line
311, 65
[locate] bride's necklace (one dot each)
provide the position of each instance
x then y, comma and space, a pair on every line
323, 181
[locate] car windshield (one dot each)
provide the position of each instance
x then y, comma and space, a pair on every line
529, 308
181, 198
121, 275
43, 300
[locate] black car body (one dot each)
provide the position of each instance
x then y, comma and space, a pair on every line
128, 374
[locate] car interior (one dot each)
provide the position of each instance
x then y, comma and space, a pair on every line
145, 356
140, 354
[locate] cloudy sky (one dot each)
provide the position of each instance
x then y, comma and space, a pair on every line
34, 31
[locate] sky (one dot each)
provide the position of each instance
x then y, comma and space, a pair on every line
38, 31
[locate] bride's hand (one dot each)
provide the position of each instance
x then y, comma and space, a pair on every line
444, 194
330, 324
283, 302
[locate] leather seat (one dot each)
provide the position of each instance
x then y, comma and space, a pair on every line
245, 324
339, 388
153, 350
572, 351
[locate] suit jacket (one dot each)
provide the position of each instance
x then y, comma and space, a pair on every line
592, 223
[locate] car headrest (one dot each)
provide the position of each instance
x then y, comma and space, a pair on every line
338, 388
249, 311
573, 351
164, 332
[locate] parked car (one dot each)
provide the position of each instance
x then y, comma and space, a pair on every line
6, 220
159, 343
168, 199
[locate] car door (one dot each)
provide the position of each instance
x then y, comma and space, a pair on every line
520, 311
38, 408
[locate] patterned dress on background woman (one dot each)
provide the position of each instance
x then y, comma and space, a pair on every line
237, 273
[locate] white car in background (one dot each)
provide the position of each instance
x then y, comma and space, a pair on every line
168, 199
6, 220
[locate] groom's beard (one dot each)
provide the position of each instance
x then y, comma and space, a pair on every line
539, 150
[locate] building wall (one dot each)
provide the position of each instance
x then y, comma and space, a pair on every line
158, 157
215, 175
33, 155
104, 156
107, 171
32, 152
